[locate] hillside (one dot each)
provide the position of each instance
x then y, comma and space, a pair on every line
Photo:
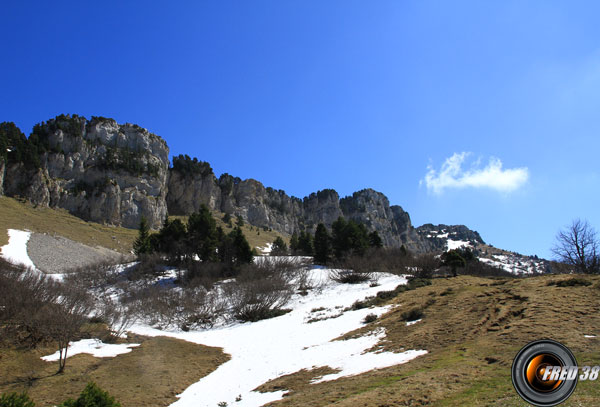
59, 237
472, 328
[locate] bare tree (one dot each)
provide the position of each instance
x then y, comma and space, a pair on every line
62, 320
577, 245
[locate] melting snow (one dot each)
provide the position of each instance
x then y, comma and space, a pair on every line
94, 347
589, 336
264, 350
267, 249
409, 323
16, 250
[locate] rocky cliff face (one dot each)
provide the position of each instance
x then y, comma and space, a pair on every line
193, 184
116, 173
437, 237
96, 169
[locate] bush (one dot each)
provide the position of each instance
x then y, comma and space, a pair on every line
92, 396
350, 276
264, 288
412, 315
418, 282
370, 318
16, 400
572, 282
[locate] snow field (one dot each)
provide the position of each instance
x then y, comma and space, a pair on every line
94, 347
264, 350
16, 250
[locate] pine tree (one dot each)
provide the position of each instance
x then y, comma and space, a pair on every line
305, 244
241, 247
375, 240
294, 243
454, 260
322, 244
202, 234
279, 247
142, 243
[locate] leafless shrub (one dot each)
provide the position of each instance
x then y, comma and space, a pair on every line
262, 289
424, 265
98, 276
149, 266
118, 316
352, 270
205, 274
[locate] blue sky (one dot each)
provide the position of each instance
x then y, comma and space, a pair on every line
462, 112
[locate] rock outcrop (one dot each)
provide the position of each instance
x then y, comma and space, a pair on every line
435, 237
96, 169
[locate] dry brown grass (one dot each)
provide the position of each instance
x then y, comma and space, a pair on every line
472, 334
151, 375
24, 216
20, 215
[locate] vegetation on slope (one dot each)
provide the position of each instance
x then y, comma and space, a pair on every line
473, 328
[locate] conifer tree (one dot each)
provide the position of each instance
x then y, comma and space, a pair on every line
279, 247
375, 240
322, 244
305, 243
294, 243
142, 243
202, 234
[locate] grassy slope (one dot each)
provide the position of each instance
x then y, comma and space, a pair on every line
21, 215
151, 375
472, 333
24, 216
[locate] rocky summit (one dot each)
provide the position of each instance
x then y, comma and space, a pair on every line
116, 174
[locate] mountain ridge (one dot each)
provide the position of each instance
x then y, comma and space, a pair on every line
116, 174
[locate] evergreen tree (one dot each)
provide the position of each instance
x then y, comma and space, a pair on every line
305, 244
375, 240
349, 237
240, 221
339, 237
241, 248
16, 400
279, 247
142, 243
454, 260
227, 219
171, 239
294, 243
92, 396
322, 245
202, 234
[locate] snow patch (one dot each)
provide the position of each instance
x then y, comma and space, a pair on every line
267, 249
16, 250
94, 347
264, 350
589, 336
409, 323
457, 244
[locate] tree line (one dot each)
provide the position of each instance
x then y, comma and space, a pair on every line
346, 238
198, 239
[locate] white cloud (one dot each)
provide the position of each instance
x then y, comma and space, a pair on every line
493, 176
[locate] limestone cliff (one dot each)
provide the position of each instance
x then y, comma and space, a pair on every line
96, 169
